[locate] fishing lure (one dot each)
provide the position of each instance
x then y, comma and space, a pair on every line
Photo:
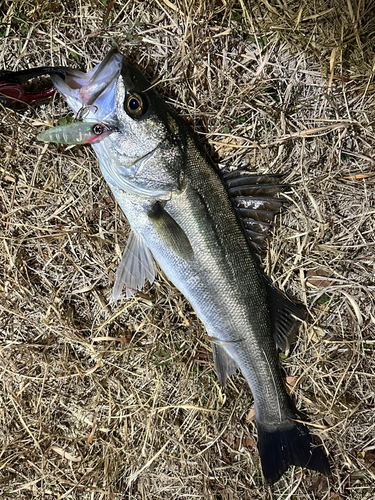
75, 133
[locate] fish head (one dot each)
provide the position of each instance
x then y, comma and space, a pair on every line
146, 151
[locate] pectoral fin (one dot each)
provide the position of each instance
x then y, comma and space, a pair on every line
171, 234
136, 265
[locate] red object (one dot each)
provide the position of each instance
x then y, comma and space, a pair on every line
15, 92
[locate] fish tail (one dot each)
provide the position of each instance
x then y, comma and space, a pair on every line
280, 448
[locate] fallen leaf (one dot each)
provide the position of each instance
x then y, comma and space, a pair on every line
291, 382
229, 438
317, 278
249, 442
250, 417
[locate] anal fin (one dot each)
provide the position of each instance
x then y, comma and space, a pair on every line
136, 265
225, 365
283, 316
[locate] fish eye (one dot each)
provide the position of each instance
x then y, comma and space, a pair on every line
98, 129
134, 105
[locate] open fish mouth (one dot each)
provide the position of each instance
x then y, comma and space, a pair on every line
92, 94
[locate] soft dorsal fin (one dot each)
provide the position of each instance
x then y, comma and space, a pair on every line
283, 315
136, 265
225, 366
254, 199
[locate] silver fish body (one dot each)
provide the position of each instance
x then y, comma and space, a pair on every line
180, 210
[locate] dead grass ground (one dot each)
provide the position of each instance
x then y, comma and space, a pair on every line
120, 401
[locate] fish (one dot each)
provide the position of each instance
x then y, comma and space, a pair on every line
205, 229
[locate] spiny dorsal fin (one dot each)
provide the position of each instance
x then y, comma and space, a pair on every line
254, 198
282, 311
136, 265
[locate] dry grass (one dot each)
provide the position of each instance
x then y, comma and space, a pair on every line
120, 401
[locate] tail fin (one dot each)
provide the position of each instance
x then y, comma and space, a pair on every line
293, 446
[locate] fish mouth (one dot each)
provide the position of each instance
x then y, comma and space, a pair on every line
92, 93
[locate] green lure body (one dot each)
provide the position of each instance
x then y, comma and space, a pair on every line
75, 133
